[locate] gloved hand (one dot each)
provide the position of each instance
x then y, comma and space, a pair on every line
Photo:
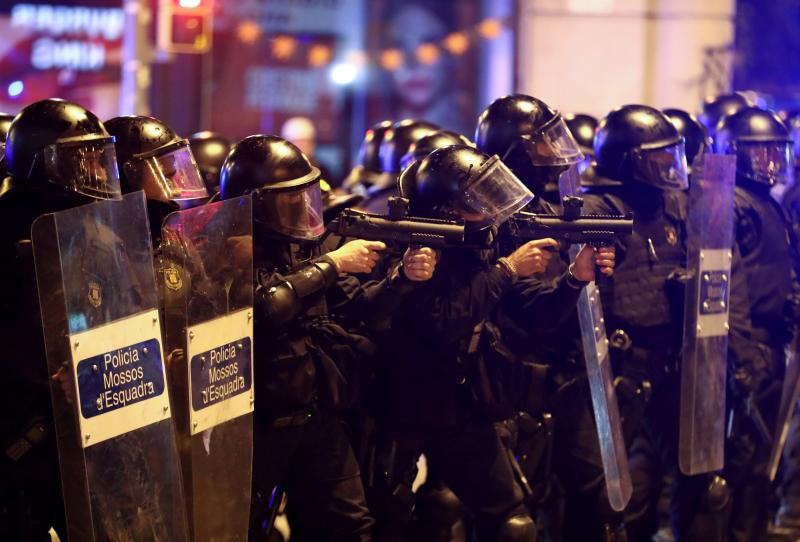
532, 257
583, 268
419, 263
357, 256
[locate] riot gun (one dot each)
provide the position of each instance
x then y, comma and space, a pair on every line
572, 227
397, 227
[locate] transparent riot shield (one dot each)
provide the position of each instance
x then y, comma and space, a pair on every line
709, 234
116, 440
205, 272
601, 380
789, 396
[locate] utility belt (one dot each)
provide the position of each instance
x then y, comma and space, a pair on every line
633, 355
18, 445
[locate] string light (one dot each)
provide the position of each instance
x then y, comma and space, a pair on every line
283, 47
456, 43
427, 53
248, 32
490, 28
391, 59
319, 55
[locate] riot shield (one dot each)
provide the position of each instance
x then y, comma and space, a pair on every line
205, 274
116, 440
601, 380
709, 233
789, 396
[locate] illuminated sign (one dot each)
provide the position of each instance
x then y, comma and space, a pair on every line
75, 37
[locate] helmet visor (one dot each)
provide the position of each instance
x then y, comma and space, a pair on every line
168, 176
85, 166
295, 212
493, 195
552, 146
767, 162
663, 167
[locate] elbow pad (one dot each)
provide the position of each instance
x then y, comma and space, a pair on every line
283, 301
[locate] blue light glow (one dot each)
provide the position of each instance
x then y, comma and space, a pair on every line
15, 89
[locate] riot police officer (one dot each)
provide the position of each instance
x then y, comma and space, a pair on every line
582, 128
153, 158
396, 143
209, 150
533, 140
307, 366
638, 148
5, 123
695, 135
368, 166
762, 146
716, 107
449, 375
58, 155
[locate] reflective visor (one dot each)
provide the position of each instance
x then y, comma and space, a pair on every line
85, 166
295, 212
662, 167
552, 146
493, 195
169, 176
768, 162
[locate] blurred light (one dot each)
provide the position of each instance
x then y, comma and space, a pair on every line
319, 55
457, 43
357, 58
248, 32
490, 28
189, 3
391, 59
427, 53
283, 47
344, 73
15, 88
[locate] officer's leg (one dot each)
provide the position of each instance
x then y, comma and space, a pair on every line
788, 517
389, 485
437, 512
474, 463
325, 491
272, 449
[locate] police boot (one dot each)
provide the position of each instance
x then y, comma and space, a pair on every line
710, 521
516, 529
438, 514
614, 532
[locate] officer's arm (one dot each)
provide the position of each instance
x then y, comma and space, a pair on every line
744, 358
282, 300
543, 305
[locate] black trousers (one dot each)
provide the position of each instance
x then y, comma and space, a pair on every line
314, 463
470, 459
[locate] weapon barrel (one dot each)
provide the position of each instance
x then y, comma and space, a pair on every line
409, 230
595, 229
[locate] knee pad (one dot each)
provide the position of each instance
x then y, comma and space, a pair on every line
437, 503
519, 528
717, 495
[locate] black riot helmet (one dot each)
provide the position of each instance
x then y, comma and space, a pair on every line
155, 159
639, 144
5, 123
530, 137
368, 166
716, 107
582, 127
287, 198
460, 182
398, 141
761, 144
209, 150
425, 145
62, 143
695, 135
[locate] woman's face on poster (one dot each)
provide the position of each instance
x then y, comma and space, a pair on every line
417, 83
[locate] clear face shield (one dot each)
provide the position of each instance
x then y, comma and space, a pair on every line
662, 167
170, 175
295, 212
492, 196
766, 162
87, 166
553, 145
